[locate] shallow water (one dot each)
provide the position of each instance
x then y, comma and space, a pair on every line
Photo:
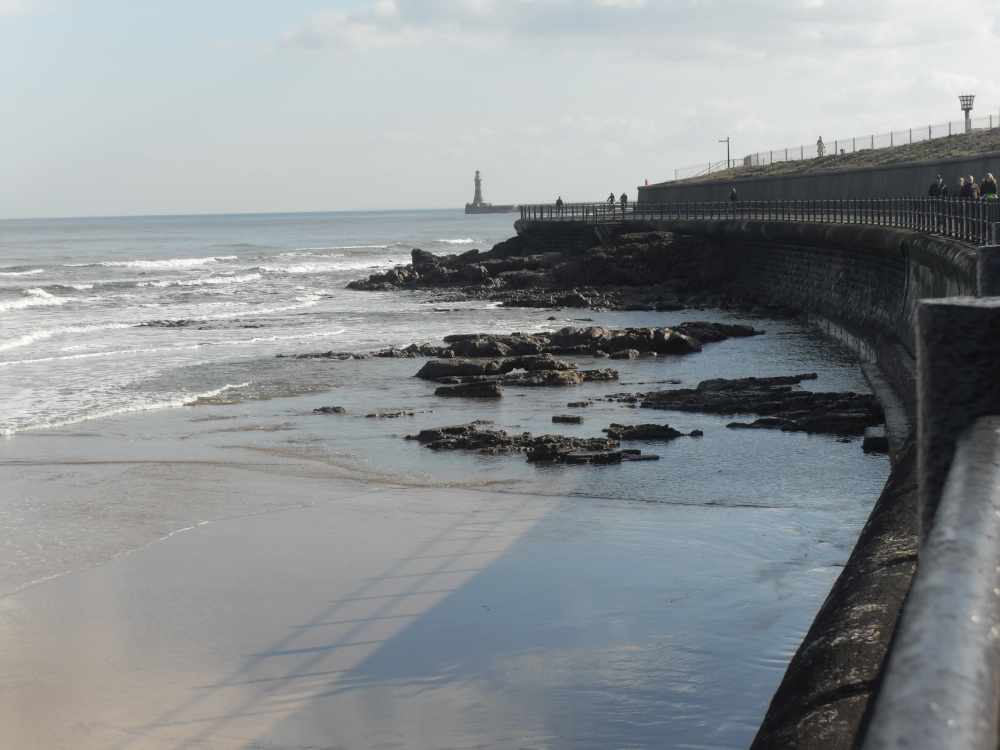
644, 604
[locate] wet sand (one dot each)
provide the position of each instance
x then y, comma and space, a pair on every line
412, 618
233, 577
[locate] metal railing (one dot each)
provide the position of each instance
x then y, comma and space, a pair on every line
961, 219
848, 145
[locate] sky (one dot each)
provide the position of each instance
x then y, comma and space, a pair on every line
154, 107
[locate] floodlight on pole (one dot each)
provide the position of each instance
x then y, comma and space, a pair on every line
725, 140
966, 101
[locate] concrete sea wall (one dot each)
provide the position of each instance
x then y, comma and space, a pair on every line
864, 283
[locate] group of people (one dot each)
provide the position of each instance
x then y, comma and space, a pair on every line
965, 187
623, 200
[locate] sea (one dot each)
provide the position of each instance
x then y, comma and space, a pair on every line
179, 335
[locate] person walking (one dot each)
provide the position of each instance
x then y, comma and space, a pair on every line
970, 189
988, 186
821, 147
937, 188
732, 196
559, 206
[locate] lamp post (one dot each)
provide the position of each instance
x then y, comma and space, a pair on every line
726, 141
966, 101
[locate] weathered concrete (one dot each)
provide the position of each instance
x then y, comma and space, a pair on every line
823, 700
959, 350
889, 180
941, 687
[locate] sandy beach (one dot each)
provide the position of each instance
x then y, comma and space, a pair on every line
299, 610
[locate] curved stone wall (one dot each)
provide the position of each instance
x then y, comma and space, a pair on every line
868, 278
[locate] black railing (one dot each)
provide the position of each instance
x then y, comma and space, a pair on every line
964, 220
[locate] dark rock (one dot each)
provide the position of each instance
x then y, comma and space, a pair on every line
592, 457
536, 363
389, 414
330, 410
642, 432
442, 368
625, 354
544, 448
471, 390
579, 404
567, 419
640, 457
875, 440
779, 403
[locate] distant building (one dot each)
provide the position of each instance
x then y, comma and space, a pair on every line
479, 206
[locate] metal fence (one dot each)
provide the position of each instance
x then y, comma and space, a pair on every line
961, 219
848, 145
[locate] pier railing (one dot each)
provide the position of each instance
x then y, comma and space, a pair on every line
961, 219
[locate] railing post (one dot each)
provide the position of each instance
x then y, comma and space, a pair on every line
951, 398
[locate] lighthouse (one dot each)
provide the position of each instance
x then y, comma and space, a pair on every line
479, 206
478, 199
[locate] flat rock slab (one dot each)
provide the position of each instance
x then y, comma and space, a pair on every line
781, 404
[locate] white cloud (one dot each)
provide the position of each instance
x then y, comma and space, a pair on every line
14, 7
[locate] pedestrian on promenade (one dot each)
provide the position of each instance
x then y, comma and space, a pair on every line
970, 189
937, 188
989, 186
957, 192
611, 202
732, 196
820, 147
559, 205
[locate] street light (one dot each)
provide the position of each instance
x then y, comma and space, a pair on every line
726, 141
966, 101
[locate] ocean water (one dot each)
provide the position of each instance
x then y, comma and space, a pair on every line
126, 337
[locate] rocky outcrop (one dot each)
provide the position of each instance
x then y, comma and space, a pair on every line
781, 403
543, 448
640, 270
643, 432
538, 351
471, 390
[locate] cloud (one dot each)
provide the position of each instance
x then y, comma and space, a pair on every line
682, 30
15, 7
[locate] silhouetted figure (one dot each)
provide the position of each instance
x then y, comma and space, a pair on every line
820, 147
559, 205
937, 188
970, 189
988, 186
732, 196
624, 200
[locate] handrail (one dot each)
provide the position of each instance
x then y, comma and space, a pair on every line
941, 686
961, 219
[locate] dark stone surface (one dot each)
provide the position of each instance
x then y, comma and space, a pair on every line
543, 448
570, 268
330, 410
784, 406
824, 699
642, 432
567, 419
471, 390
